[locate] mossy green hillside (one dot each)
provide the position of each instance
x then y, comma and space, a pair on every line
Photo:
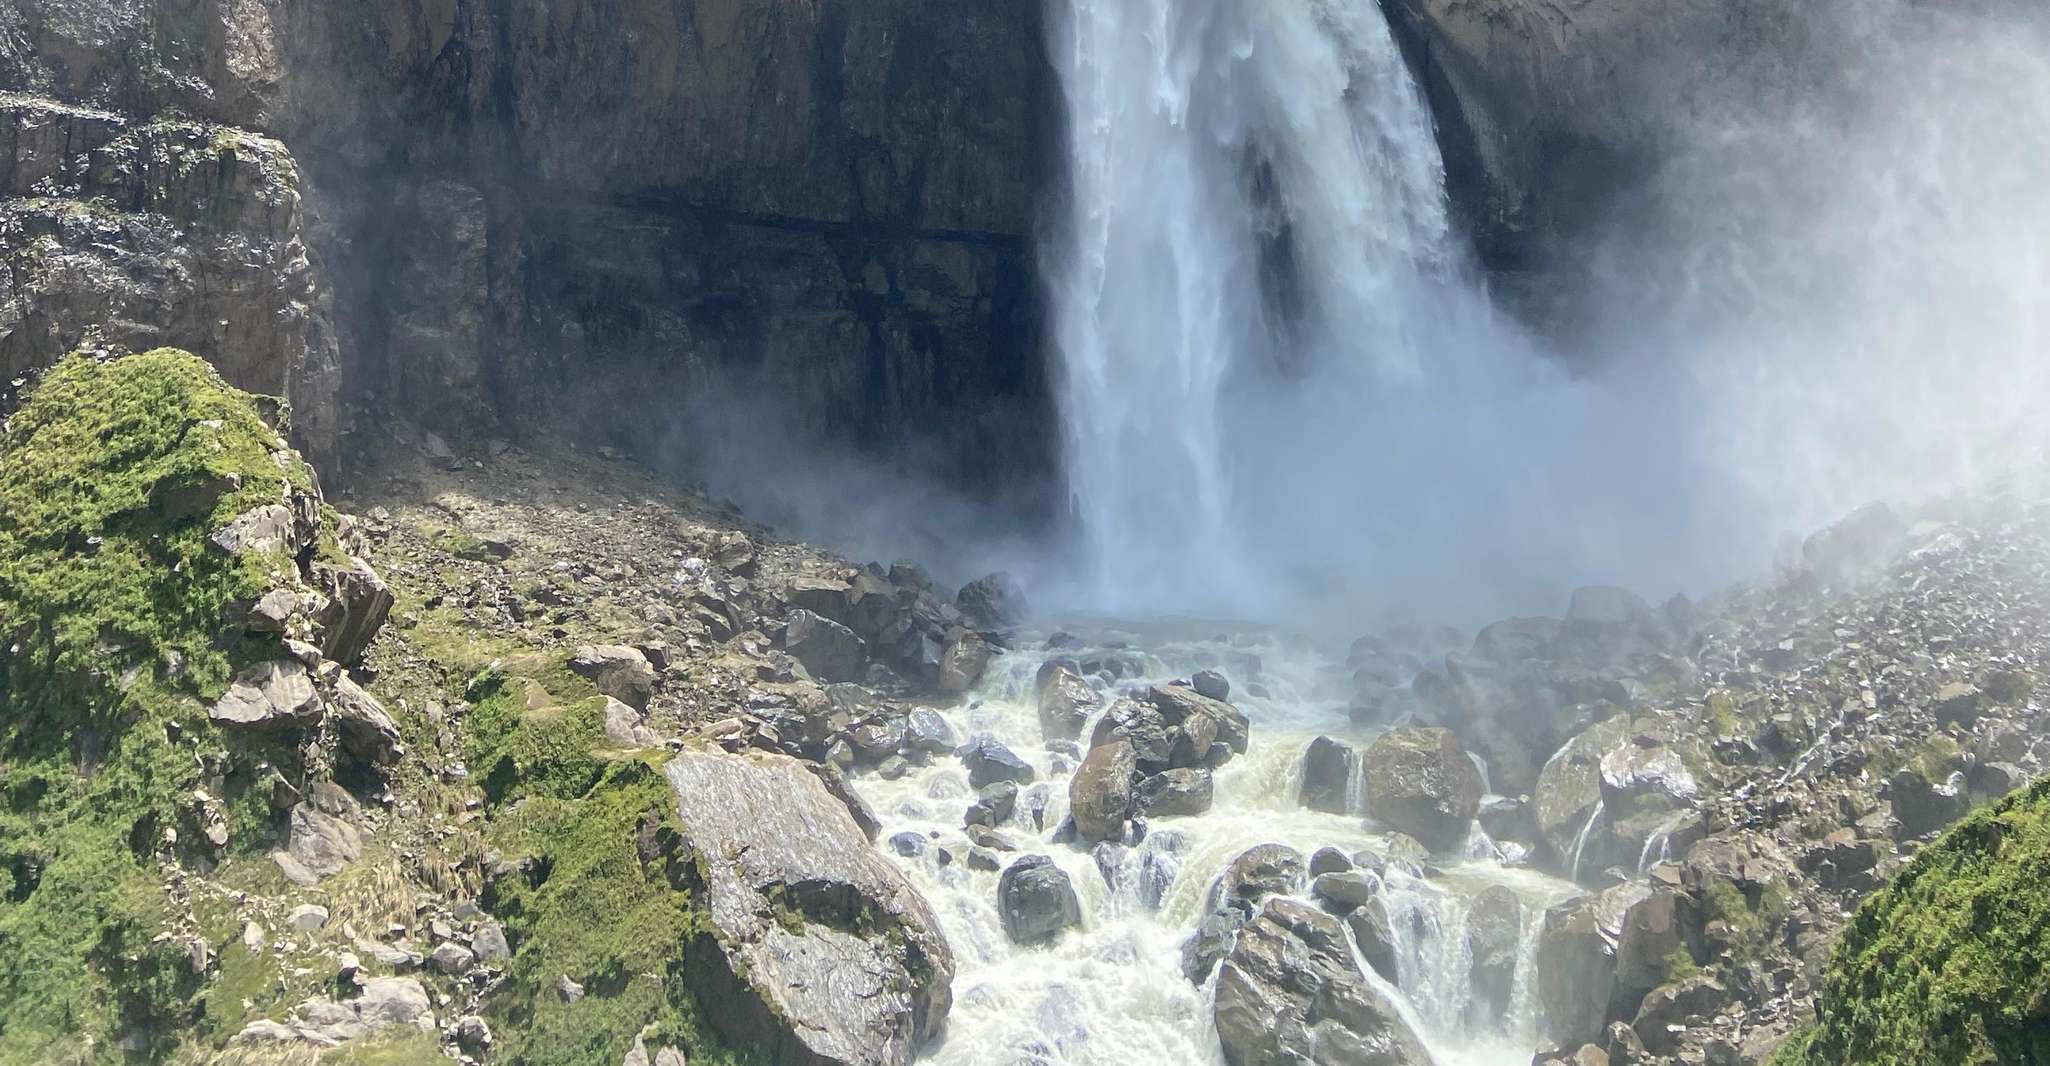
111, 638
1950, 964
603, 894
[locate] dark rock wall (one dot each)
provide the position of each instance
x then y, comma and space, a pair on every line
582, 214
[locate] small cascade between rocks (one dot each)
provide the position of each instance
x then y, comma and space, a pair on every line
1112, 990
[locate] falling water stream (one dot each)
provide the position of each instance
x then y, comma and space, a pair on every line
1113, 992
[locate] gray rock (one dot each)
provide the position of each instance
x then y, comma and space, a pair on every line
359, 602
1420, 781
489, 943
473, 1034
925, 730
1576, 963
963, 662
1182, 793
989, 761
623, 728
842, 789
1569, 787
1258, 872
1212, 941
569, 991
992, 603
390, 1001
863, 979
270, 695
1065, 702
1345, 891
1289, 992
452, 958
1327, 776
1036, 901
1607, 606
618, 671
1211, 685
318, 843
307, 917
1100, 793
1494, 931
362, 725
829, 651
1375, 934
1328, 861
993, 805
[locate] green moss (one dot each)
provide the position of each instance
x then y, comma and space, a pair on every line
110, 640
1722, 715
516, 751
1951, 963
1679, 966
607, 900
463, 546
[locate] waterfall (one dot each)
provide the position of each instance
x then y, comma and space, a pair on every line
1256, 193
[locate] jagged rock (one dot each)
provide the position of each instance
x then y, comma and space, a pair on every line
1185, 708
1927, 797
1036, 901
962, 664
623, 728
1576, 963
362, 725
1289, 992
842, 789
1213, 940
1674, 1006
1327, 776
993, 804
1494, 932
863, 979
1100, 793
1508, 820
988, 762
1065, 702
1957, 704
1182, 793
452, 958
270, 695
317, 845
488, 942
358, 603
1375, 934
927, 732
829, 651
992, 603
1569, 787
1633, 775
270, 530
1258, 872
394, 1001
826, 597
618, 671
473, 1034
1420, 781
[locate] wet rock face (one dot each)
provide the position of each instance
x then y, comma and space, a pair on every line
1327, 776
1290, 992
1420, 781
819, 950
1036, 901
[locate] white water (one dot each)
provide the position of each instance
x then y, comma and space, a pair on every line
1112, 993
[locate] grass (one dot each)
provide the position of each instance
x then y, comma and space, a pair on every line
111, 641
1950, 964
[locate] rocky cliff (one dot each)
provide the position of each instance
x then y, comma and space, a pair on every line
583, 215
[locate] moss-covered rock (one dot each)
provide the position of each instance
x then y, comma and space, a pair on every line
117, 625
1951, 963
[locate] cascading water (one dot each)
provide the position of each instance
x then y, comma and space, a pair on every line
1255, 190
1113, 992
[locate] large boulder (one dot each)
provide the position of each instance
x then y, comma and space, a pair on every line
829, 651
618, 671
1100, 793
1327, 777
1569, 788
815, 950
1420, 781
1290, 992
994, 602
1576, 964
1065, 701
1035, 901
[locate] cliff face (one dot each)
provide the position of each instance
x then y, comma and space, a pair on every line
584, 214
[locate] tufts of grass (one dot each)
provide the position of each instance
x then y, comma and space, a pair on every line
1949, 964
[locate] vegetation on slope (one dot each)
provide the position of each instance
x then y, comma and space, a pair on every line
1951, 963
111, 636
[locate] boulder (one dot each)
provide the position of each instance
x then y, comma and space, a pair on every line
992, 603
362, 725
618, 671
1517, 639
860, 977
1036, 901
962, 664
358, 603
1065, 702
1607, 607
1374, 932
1669, 1010
1576, 963
994, 804
1345, 891
1421, 782
1182, 793
829, 651
1211, 685
1290, 992
1100, 793
989, 761
318, 844
1494, 934
1258, 872
1188, 709
277, 694
1327, 776
1569, 787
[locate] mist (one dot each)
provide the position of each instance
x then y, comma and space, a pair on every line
1288, 394
1829, 293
